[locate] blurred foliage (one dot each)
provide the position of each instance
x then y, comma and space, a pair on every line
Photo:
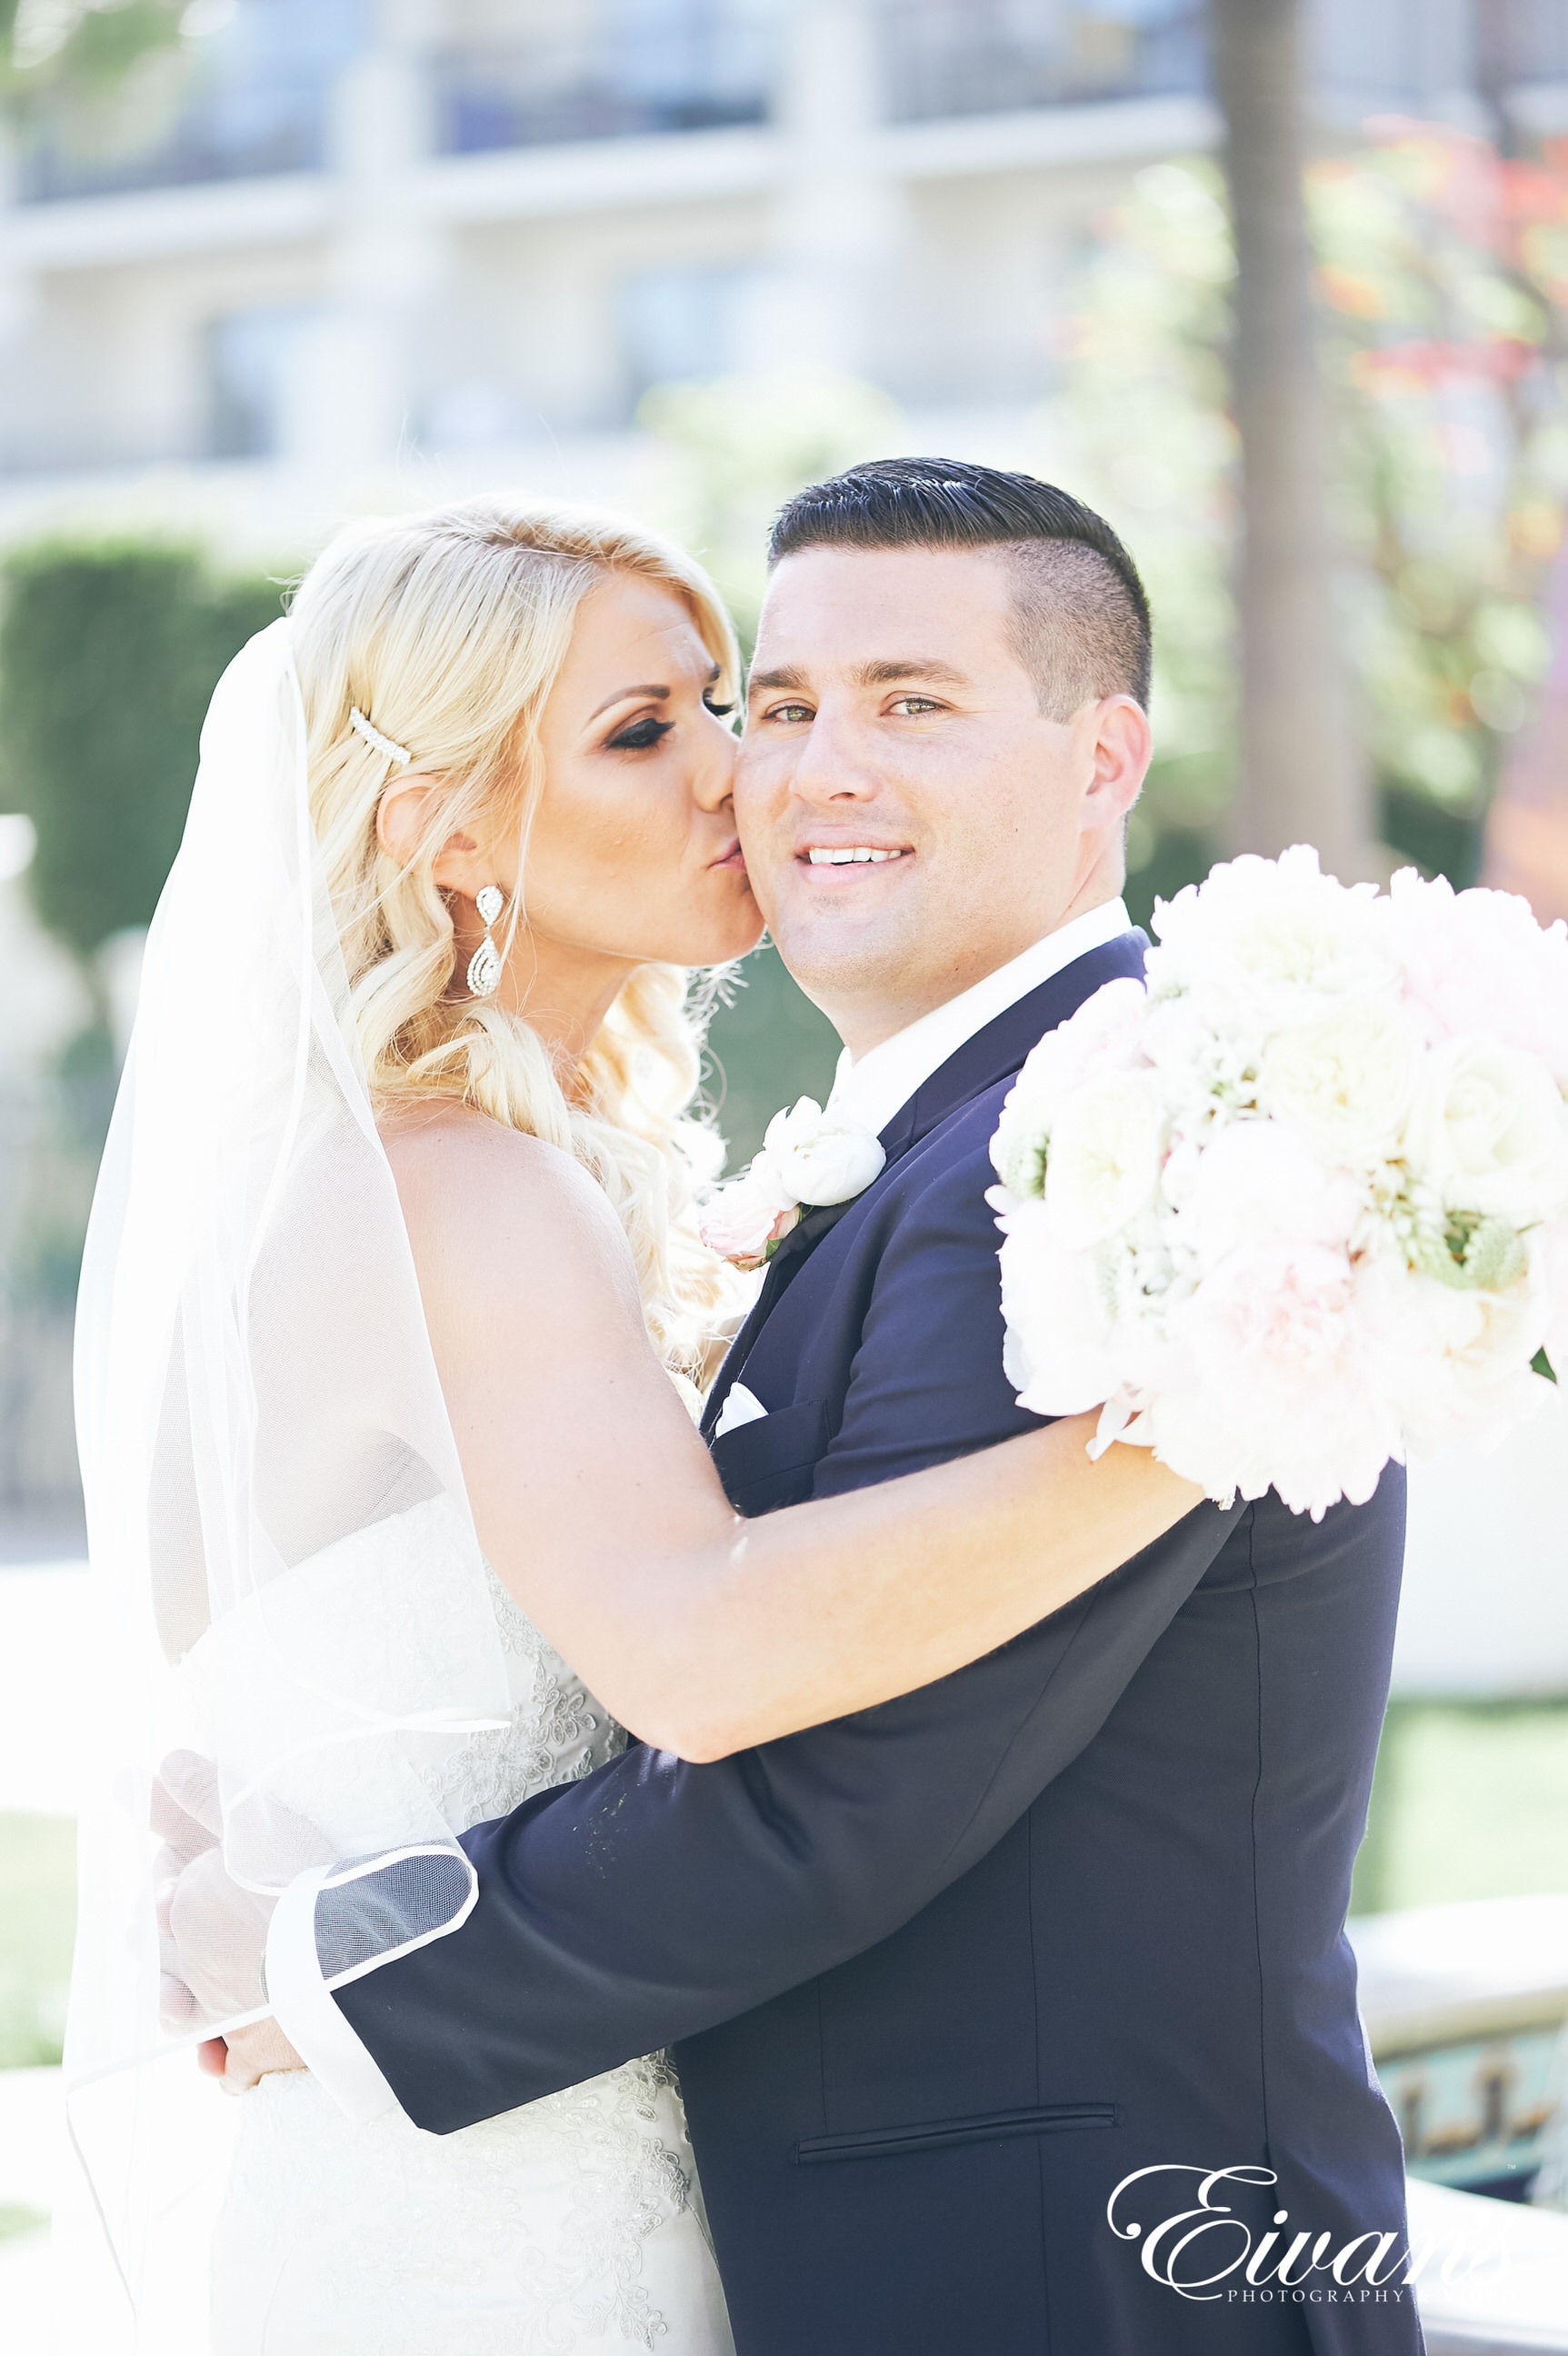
108, 656
1444, 275
741, 446
767, 1044
1469, 1800
1142, 401
1444, 271
37, 1925
81, 49
92, 85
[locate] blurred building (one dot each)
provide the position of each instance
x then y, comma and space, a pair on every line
325, 236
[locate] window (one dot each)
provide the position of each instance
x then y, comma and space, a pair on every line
248, 357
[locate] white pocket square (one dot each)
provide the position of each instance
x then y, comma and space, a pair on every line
740, 1405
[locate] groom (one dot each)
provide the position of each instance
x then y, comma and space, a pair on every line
941, 1977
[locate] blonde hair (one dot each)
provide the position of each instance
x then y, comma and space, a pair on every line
448, 630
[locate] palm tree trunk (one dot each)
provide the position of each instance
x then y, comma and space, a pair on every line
1302, 777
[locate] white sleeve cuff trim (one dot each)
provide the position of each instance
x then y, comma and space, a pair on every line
304, 2010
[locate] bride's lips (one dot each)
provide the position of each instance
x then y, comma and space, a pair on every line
734, 858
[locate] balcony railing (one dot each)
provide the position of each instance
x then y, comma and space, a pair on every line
987, 57
254, 99
61, 165
609, 69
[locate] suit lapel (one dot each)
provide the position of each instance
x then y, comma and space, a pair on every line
996, 1053
993, 1054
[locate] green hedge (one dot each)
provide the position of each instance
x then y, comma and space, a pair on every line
1470, 1801
766, 1047
108, 656
37, 1871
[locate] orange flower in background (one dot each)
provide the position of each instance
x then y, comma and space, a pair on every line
1443, 281
1536, 530
1350, 290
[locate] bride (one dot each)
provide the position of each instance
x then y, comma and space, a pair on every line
391, 1315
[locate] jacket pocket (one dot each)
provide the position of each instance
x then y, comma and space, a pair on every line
770, 1461
944, 2134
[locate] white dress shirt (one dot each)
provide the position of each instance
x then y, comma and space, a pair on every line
872, 1087
869, 1088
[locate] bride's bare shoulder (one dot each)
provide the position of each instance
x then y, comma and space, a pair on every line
477, 1195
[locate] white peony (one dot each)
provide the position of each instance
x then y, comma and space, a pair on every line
1104, 1160
1255, 1182
1280, 1391
1488, 1130
1456, 1366
1103, 1035
1267, 942
1345, 1079
1059, 1350
1478, 960
818, 1156
1196, 1061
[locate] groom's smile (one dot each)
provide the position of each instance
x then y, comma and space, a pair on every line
912, 815
835, 859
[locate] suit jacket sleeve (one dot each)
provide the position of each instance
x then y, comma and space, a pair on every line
656, 1898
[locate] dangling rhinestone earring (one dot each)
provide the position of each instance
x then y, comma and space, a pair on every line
485, 965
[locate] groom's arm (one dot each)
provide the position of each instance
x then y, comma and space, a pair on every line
656, 1898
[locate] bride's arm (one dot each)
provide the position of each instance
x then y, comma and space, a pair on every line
597, 1502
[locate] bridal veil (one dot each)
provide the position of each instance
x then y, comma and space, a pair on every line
257, 1404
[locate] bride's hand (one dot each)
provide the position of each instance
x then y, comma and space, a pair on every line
240, 2061
212, 1934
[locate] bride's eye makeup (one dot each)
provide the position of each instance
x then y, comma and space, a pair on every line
719, 711
639, 736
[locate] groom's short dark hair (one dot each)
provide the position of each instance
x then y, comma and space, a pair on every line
1081, 617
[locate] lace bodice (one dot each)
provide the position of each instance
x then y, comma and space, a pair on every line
327, 1690
558, 1732
573, 2224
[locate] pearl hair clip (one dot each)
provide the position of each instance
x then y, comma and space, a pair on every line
372, 736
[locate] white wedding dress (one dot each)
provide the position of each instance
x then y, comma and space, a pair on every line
573, 2224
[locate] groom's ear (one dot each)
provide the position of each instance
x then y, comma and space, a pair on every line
1122, 749
408, 821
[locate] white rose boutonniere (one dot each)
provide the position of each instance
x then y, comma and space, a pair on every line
809, 1160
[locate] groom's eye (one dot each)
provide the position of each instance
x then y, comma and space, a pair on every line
790, 712
912, 706
639, 736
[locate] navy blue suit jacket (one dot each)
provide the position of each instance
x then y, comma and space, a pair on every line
940, 1975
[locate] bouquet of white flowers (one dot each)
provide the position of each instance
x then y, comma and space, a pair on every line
1301, 1202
